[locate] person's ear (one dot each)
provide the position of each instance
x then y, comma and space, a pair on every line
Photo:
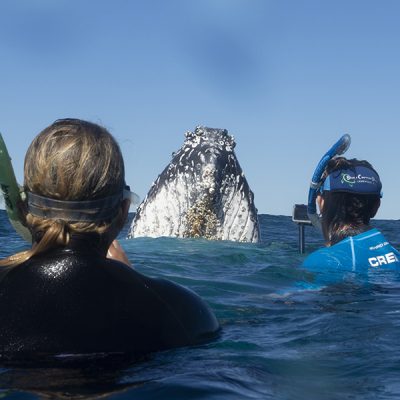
376, 208
123, 215
125, 209
320, 203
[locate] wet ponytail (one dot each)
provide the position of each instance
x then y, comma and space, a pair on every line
52, 234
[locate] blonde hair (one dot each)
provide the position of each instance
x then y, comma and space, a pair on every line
71, 160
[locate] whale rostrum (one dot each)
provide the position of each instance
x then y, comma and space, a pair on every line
202, 192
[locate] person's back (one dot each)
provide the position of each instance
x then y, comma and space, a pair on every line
64, 296
367, 250
76, 301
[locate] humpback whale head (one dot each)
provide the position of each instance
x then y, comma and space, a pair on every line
202, 192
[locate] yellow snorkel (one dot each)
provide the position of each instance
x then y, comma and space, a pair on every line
13, 195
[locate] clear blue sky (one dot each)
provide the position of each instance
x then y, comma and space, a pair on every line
286, 77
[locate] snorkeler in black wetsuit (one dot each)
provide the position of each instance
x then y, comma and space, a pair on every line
64, 296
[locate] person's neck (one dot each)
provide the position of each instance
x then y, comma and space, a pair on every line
346, 230
89, 242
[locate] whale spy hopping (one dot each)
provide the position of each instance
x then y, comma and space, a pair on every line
202, 192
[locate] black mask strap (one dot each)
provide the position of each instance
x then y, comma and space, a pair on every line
77, 211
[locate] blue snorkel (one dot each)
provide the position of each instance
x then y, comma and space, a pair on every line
338, 148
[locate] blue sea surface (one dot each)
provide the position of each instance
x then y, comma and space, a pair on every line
277, 342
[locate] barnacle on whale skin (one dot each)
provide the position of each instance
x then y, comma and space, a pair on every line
201, 220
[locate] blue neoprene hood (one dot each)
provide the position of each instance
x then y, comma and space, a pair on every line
360, 179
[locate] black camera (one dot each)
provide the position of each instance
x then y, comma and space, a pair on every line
300, 214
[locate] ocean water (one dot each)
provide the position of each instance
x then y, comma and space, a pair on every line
277, 342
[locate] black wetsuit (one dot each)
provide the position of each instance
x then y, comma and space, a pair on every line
75, 301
